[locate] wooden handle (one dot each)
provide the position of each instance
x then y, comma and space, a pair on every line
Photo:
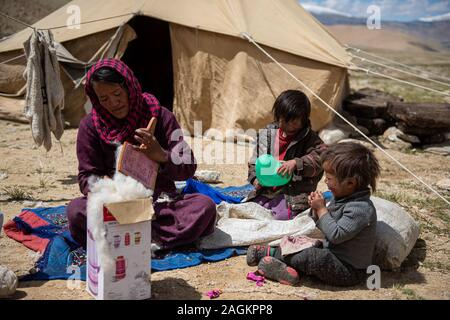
152, 125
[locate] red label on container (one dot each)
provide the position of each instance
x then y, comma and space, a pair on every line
107, 216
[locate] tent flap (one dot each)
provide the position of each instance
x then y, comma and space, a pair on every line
218, 77
225, 82
281, 24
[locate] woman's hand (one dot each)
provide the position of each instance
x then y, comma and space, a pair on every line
287, 168
150, 146
317, 203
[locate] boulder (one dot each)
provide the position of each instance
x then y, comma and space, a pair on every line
332, 134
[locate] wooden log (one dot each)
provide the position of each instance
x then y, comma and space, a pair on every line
420, 132
370, 92
369, 103
11, 109
366, 107
421, 115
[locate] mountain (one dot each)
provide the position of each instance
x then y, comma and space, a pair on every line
435, 30
387, 38
26, 11
429, 33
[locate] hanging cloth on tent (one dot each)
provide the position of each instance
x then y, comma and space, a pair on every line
44, 98
76, 69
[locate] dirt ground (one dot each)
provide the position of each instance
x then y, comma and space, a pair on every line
50, 179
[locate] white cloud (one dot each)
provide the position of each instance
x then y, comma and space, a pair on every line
409, 9
313, 8
440, 17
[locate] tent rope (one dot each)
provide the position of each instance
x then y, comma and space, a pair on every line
250, 39
358, 68
86, 22
66, 26
396, 62
17, 20
12, 59
397, 69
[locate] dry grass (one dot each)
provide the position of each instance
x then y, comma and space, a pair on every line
436, 63
16, 193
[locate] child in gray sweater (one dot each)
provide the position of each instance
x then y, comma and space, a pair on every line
348, 223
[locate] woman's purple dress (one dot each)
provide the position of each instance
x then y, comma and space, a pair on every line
178, 222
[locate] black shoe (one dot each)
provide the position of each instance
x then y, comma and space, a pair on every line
277, 270
255, 253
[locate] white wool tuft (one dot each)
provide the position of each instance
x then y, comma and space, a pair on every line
119, 188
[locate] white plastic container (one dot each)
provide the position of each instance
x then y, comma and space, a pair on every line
127, 228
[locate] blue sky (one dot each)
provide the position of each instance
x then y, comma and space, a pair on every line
400, 10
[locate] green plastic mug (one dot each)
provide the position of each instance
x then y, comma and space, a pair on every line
266, 172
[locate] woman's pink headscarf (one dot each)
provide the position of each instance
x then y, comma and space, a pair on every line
142, 106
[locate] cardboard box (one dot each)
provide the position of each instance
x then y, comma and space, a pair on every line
128, 237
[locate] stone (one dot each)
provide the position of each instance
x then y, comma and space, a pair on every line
392, 134
3, 175
332, 134
8, 282
391, 140
208, 176
443, 184
409, 138
32, 204
441, 148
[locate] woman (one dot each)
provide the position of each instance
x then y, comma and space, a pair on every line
121, 113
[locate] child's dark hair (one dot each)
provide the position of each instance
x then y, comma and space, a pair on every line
106, 74
352, 160
292, 104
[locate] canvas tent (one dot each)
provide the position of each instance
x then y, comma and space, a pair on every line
192, 56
